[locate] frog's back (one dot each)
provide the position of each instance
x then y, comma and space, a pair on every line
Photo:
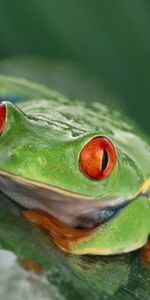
79, 116
52, 107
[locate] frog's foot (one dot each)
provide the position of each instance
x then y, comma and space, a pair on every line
63, 235
145, 252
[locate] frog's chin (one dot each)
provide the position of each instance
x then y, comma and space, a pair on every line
74, 210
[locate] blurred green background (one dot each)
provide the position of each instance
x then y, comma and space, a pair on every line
110, 38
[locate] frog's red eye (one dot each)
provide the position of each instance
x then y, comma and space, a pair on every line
97, 158
2, 117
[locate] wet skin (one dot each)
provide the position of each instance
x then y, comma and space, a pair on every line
81, 170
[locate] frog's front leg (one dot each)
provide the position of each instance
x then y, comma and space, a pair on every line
63, 235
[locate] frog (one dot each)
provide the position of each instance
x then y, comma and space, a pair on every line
78, 169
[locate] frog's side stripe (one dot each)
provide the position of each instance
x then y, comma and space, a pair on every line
22, 180
145, 188
11, 98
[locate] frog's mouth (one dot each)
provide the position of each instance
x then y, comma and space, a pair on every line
74, 210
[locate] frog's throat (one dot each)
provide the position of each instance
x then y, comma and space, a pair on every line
61, 204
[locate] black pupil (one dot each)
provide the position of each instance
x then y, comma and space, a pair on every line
104, 160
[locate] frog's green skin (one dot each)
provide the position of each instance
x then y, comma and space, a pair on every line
39, 166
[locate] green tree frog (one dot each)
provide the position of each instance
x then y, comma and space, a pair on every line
79, 169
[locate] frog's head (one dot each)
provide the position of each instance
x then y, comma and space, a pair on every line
90, 165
